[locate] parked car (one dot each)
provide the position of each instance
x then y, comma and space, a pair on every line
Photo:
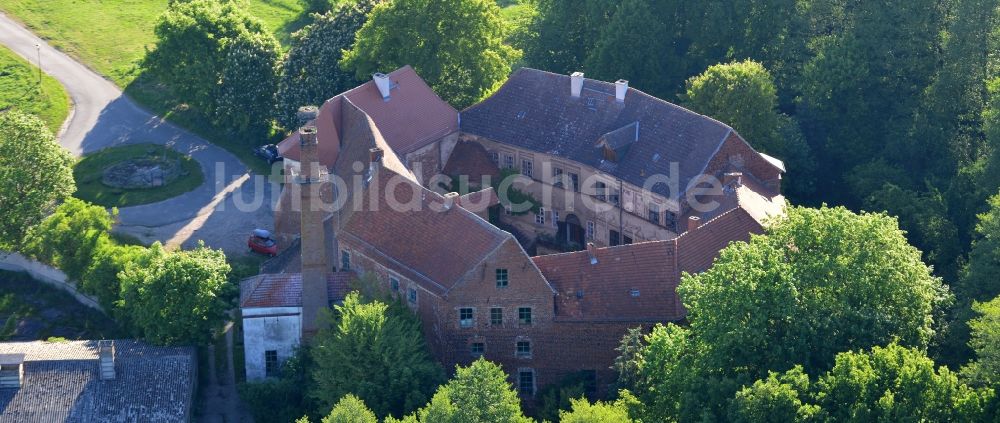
269, 153
260, 242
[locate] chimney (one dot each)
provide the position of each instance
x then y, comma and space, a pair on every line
383, 83
621, 86
576, 84
307, 114
592, 252
106, 359
313, 238
734, 179
449, 200
693, 223
11, 370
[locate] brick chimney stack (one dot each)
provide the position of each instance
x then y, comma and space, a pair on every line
313, 241
693, 223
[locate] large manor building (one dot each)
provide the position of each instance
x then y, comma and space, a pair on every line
626, 192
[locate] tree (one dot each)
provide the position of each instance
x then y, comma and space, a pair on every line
377, 352
743, 95
628, 363
647, 62
284, 398
864, 81
35, 175
891, 383
981, 281
781, 397
895, 383
985, 370
819, 282
566, 33
108, 261
479, 393
245, 94
585, 412
207, 51
350, 409
457, 46
311, 73
174, 299
70, 237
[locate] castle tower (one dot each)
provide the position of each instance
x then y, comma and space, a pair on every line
313, 241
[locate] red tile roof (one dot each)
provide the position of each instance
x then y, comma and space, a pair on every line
471, 159
633, 282
433, 247
605, 291
413, 116
285, 290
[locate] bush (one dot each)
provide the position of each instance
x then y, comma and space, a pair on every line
70, 237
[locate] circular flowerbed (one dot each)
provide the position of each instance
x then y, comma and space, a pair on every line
140, 173
135, 174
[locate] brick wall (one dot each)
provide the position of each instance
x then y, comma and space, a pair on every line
736, 154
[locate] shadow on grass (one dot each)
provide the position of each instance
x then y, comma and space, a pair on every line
161, 100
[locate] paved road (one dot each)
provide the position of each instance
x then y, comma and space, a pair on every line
102, 117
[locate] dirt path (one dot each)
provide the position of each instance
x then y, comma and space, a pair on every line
220, 403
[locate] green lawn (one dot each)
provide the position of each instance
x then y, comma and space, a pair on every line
111, 36
89, 170
19, 89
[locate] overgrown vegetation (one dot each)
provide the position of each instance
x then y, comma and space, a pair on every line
31, 310
175, 298
35, 175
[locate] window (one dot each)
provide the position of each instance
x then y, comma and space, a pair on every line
614, 198
523, 349
671, 220
626, 240
465, 317
412, 295
574, 179
601, 191
540, 216
526, 382
508, 161
502, 278
345, 260
477, 349
654, 213
270, 363
590, 229
524, 315
614, 238
555, 218
394, 284
495, 157
496, 316
526, 166
557, 177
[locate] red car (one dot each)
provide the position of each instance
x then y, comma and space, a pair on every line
260, 241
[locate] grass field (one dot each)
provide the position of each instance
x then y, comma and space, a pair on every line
19, 89
89, 170
111, 36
